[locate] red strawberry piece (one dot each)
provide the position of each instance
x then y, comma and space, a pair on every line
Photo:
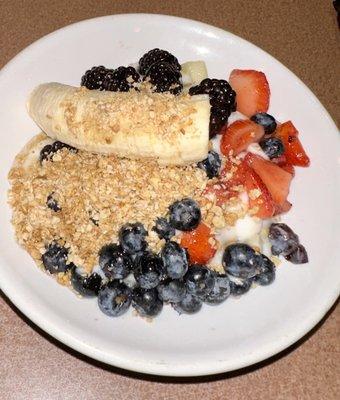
281, 161
252, 91
224, 189
276, 179
285, 207
221, 191
294, 151
239, 135
198, 244
289, 168
258, 195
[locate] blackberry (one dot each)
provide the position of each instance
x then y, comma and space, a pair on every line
218, 118
121, 79
94, 77
222, 101
155, 56
164, 78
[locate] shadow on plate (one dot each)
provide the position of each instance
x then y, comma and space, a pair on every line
167, 379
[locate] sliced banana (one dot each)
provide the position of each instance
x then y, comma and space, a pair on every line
172, 129
193, 73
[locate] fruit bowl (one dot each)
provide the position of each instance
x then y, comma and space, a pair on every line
230, 336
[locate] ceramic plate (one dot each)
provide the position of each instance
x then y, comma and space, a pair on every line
241, 331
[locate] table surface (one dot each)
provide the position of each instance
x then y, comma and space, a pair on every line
304, 36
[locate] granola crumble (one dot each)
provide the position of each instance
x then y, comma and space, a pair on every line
97, 194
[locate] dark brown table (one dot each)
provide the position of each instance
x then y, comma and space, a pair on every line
304, 36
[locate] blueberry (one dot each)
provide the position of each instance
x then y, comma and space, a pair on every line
298, 256
132, 237
211, 165
146, 302
48, 151
240, 260
163, 229
114, 298
241, 287
220, 291
185, 214
114, 262
189, 305
266, 271
273, 147
86, 285
199, 281
172, 291
266, 120
55, 258
175, 260
60, 145
52, 203
149, 271
283, 240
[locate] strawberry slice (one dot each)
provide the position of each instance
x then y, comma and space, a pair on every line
224, 189
259, 196
198, 244
285, 207
276, 179
239, 135
294, 151
252, 91
289, 168
221, 191
281, 161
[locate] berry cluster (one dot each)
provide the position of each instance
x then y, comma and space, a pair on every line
157, 66
130, 274
121, 79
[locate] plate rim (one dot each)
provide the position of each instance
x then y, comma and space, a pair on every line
147, 367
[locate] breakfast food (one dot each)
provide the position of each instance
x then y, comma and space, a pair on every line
157, 185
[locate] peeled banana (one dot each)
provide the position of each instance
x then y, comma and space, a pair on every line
193, 73
172, 129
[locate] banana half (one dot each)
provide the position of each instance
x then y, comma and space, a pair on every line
172, 129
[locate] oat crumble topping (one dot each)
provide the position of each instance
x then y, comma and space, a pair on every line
97, 194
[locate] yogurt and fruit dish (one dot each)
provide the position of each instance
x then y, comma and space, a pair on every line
154, 185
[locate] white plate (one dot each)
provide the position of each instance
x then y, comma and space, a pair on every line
241, 331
